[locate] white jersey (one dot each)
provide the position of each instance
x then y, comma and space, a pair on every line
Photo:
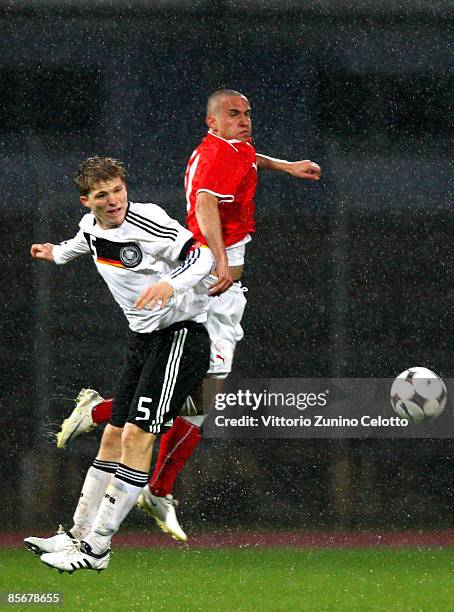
148, 247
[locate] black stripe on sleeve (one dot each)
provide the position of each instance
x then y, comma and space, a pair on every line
185, 250
189, 261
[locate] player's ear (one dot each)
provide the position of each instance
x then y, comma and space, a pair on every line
211, 122
84, 201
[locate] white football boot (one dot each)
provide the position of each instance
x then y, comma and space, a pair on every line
162, 509
80, 420
78, 556
56, 543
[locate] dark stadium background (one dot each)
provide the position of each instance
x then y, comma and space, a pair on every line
349, 277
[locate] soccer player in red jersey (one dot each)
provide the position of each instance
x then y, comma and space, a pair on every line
220, 184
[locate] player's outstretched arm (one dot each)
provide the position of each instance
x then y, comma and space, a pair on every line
302, 169
43, 251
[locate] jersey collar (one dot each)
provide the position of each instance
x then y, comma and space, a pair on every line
233, 141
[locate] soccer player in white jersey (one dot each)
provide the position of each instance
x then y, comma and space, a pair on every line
220, 185
154, 269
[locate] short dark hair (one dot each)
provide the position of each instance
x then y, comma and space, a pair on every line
213, 99
96, 169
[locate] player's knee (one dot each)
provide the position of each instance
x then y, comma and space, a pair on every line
110, 448
136, 440
130, 436
111, 437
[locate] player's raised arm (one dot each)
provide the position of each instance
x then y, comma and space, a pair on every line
302, 169
43, 251
207, 213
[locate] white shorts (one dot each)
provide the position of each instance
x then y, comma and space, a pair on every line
225, 312
236, 252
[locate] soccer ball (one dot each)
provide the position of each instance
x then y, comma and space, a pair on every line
418, 394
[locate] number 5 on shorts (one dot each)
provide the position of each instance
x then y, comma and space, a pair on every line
143, 409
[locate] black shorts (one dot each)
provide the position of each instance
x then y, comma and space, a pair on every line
159, 372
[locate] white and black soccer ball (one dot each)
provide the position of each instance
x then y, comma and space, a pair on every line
418, 395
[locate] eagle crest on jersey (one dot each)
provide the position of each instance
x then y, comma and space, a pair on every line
130, 255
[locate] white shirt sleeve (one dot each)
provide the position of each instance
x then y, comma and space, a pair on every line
170, 235
197, 265
70, 249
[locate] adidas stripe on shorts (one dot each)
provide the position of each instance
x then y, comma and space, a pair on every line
159, 372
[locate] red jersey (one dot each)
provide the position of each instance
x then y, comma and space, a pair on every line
228, 170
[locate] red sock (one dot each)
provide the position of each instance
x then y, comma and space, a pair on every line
175, 448
102, 412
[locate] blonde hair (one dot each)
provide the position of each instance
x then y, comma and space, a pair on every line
96, 169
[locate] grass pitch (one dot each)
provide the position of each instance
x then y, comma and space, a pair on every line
243, 580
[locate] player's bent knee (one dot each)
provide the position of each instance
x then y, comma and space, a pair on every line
135, 438
136, 447
112, 434
110, 447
